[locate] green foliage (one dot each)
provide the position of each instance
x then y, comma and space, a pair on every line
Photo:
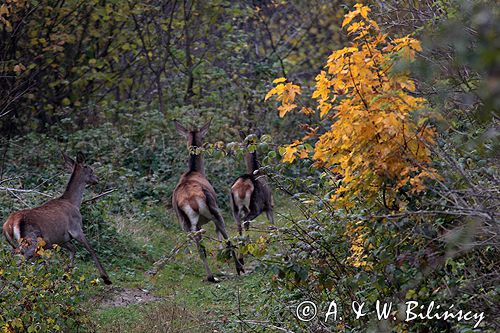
438, 249
79, 77
38, 295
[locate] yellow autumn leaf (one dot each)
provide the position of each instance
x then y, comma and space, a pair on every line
289, 155
278, 90
364, 10
279, 80
307, 111
415, 44
324, 108
408, 84
292, 90
374, 24
348, 18
303, 154
285, 108
373, 136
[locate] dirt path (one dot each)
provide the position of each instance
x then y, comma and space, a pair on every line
117, 296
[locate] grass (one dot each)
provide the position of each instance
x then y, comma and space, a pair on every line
186, 302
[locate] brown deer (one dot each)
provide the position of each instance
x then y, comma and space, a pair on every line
250, 193
194, 199
58, 221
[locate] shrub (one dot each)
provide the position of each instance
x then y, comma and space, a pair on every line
38, 295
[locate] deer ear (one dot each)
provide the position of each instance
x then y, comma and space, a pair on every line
204, 128
69, 163
80, 158
181, 129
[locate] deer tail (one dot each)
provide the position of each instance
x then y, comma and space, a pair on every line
12, 229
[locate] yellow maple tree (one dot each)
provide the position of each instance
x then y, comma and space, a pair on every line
373, 142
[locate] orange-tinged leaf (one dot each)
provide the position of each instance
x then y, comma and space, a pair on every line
324, 108
285, 108
311, 134
307, 111
371, 136
364, 10
303, 154
348, 18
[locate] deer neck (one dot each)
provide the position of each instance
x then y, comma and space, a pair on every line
74, 190
196, 163
251, 162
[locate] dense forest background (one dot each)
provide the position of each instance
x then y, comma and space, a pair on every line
108, 77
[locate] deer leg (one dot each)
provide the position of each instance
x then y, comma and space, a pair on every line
237, 218
240, 228
203, 255
236, 215
72, 250
80, 237
220, 237
193, 226
221, 230
270, 215
201, 249
249, 217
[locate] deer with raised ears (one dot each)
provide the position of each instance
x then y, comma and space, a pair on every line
250, 193
194, 199
58, 221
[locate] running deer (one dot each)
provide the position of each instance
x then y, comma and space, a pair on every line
194, 199
250, 193
58, 221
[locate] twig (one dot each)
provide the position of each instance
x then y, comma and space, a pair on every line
8, 189
99, 196
19, 198
159, 264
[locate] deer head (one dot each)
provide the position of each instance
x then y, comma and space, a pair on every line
194, 139
195, 136
81, 172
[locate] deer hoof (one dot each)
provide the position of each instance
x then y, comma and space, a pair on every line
239, 266
212, 279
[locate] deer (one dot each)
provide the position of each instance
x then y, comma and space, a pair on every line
250, 193
194, 199
57, 221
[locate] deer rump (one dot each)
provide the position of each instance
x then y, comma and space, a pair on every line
251, 196
193, 195
44, 221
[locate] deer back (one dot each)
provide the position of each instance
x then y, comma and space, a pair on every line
53, 220
191, 189
193, 194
